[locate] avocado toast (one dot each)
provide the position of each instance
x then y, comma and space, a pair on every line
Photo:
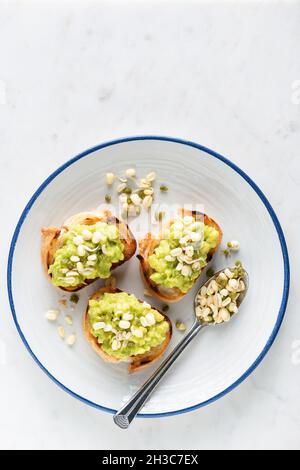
87, 247
171, 263
122, 328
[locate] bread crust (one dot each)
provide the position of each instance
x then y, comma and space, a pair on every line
147, 246
52, 240
136, 363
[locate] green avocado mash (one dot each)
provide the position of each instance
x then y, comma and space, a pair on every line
87, 252
182, 254
124, 326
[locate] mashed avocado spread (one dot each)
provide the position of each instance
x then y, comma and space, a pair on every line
124, 326
87, 252
182, 253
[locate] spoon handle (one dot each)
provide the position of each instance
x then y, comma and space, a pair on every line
126, 414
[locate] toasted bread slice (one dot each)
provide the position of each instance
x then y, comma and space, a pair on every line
52, 239
147, 247
136, 363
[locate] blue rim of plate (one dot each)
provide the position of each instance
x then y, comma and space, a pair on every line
263, 198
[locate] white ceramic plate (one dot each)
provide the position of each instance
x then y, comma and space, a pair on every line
218, 360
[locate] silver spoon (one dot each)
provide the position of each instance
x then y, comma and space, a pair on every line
127, 413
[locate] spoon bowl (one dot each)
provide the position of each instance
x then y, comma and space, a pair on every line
242, 295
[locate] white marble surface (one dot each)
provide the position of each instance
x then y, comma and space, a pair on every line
73, 74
